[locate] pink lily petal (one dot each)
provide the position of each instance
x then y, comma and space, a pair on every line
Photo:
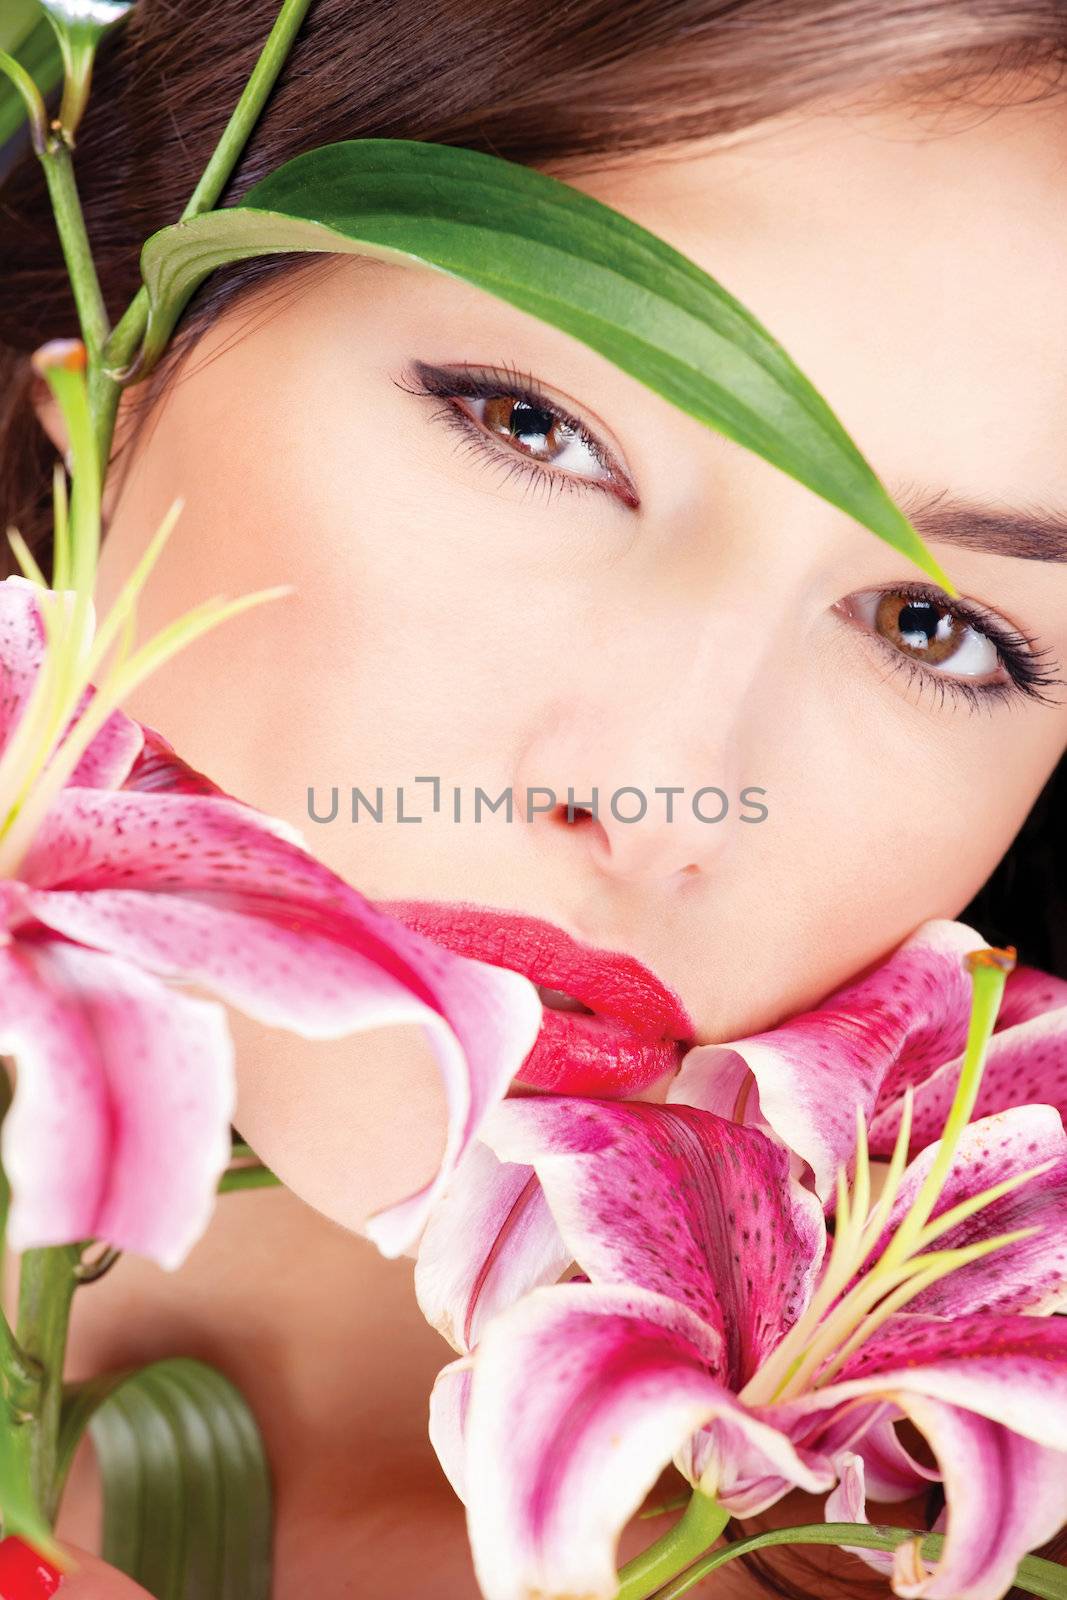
1029, 1275
1026, 1064
868, 1433
748, 1463
202, 889
480, 1021
489, 1239
449, 1403
119, 1128
848, 1503
670, 1199
21, 650
1005, 1496
580, 1397
184, 842
872, 1037
1028, 993
160, 769
1010, 1369
108, 758
989, 1392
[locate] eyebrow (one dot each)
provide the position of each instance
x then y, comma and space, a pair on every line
947, 518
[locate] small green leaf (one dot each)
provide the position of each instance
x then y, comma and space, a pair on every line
27, 35
187, 1495
561, 256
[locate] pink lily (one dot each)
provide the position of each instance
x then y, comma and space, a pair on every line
140, 873
902, 1024
717, 1330
123, 872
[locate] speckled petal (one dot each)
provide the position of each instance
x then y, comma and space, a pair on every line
1026, 1064
120, 1125
489, 1240
364, 972
21, 650
671, 1199
1009, 1368
580, 1397
1030, 1275
172, 840
159, 769
870, 1038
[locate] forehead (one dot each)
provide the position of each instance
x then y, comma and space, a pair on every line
914, 271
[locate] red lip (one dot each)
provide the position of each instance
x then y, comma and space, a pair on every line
638, 1028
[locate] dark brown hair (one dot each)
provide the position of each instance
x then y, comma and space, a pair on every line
560, 87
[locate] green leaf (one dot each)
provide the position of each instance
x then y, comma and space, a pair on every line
559, 255
187, 1494
1036, 1576
26, 34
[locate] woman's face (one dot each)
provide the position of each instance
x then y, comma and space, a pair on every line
485, 594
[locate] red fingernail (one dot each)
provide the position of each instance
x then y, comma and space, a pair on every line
24, 1575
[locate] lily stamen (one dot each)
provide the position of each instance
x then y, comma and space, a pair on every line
833, 1328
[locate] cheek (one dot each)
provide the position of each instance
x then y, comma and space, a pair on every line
876, 826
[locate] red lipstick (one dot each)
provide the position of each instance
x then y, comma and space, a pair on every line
610, 1027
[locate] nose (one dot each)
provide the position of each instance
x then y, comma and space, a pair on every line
644, 773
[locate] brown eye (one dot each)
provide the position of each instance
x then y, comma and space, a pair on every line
927, 631
538, 433
922, 628
535, 429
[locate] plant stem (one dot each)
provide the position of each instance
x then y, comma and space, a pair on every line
58, 167
252, 1177
699, 1527
1035, 1575
20, 1378
104, 387
46, 1288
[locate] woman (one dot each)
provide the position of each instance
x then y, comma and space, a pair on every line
517, 567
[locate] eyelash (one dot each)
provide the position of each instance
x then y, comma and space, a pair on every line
1029, 672
1027, 666
486, 383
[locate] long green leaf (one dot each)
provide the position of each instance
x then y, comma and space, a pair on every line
187, 1495
559, 255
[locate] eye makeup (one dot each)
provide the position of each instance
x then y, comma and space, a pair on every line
1027, 671
495, 382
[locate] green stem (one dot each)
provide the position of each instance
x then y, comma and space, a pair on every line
105, 385
699, 1527
46, 1289
1038, 1577
20, 1378
58, 167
